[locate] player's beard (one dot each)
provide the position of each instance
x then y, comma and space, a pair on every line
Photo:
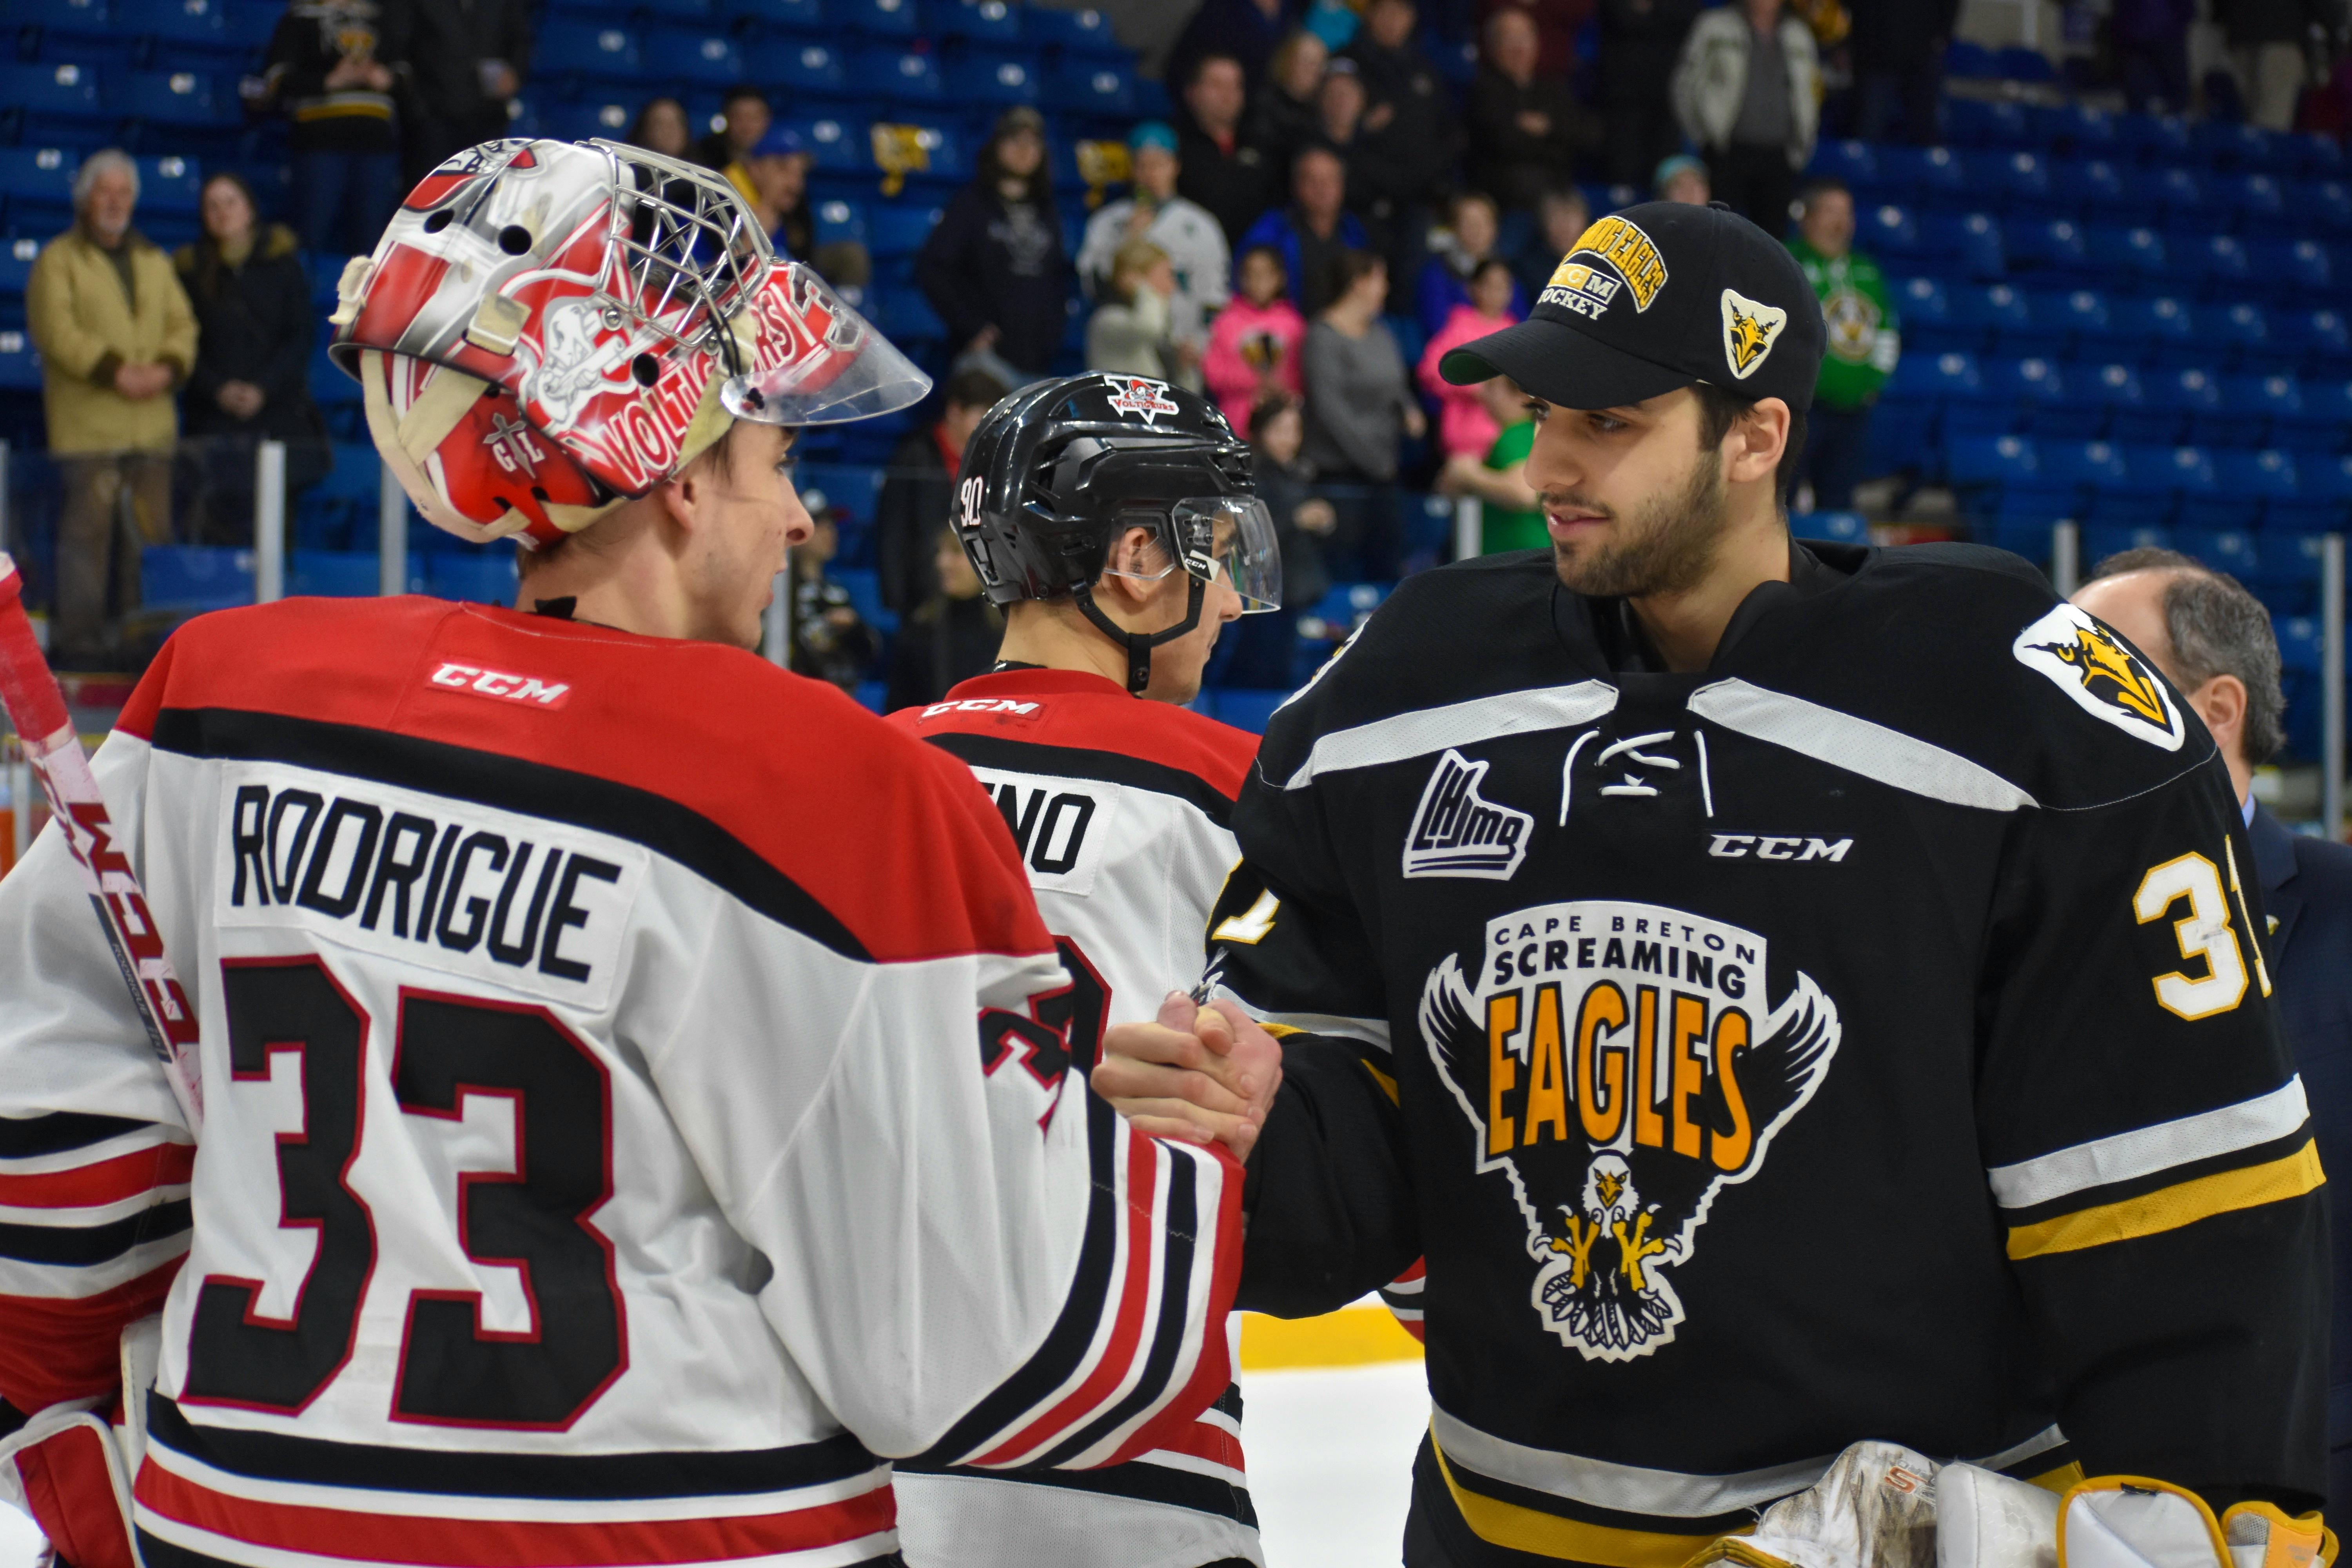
1666, 546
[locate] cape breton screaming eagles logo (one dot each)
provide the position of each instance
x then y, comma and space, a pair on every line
1620, 1068
1148, 398
1624, 258
2106, 679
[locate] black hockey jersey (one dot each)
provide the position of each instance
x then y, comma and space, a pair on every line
1864, 1037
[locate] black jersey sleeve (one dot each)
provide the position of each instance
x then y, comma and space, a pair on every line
1330, 1207
2148, 1148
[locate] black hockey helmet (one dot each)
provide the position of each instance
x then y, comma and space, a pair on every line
1059, 471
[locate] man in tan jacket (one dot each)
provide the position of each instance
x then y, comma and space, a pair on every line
116, 337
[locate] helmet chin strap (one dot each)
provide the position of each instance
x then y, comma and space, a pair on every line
1139, 645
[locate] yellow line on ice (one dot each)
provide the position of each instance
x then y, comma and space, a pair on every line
1352, 1336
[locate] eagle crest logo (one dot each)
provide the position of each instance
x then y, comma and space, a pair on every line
2104, 677
1749, 330
1619, 1068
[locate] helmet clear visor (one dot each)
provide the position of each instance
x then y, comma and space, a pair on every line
813, 360
1231, 537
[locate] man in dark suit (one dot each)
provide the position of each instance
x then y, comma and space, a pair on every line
2213, 641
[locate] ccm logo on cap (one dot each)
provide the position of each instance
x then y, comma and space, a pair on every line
501, 685
1750, 331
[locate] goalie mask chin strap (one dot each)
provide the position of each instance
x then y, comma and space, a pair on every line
1139, 645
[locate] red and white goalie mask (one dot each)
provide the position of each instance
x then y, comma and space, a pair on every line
549, 329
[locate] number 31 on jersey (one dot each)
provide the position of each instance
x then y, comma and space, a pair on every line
2204, 933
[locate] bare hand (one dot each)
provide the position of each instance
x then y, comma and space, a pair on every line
1186, 353
1416, 423
844, 618
1197, 1074
1452, 479
141, 382
500, 80
983, 340
1381, 114
240, 399
1315, 516
1535, 123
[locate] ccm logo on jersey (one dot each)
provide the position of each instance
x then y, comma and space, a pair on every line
419, 879
497, 683
1456, 833
1776, 846
1005, 705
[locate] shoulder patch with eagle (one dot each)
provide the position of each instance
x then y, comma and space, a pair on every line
2103, 675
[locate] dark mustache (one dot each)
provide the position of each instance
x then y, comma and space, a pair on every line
1563, 501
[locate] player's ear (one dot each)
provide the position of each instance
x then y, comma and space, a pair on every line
1756, 440
1129, 568
681, 498
2222, 703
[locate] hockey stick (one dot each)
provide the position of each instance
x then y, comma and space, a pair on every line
37, 709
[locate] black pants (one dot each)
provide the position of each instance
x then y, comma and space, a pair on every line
1755, 182
1636, 135
1836, 440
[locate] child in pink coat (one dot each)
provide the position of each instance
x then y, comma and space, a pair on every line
1464, 426
1254, 346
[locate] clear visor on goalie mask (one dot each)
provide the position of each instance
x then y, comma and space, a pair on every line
815, 361
1227, 537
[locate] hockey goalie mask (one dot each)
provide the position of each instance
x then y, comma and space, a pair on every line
547, 329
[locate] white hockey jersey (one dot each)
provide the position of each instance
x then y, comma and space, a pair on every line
1119, 809
599, 1167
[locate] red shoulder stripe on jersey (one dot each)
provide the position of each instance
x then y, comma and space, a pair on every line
421, 1539
1087, 712
107, 1181
56, 1350
790, 770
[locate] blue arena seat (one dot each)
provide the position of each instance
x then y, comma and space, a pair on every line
2328, 202
988, 21
2161, 330
2126, 254
2313, 154
2238, 331
194, 31
2154, 138
1836, 526
2016, 62
2259, 202
59, 101
1885, 229
2095, 186
907, 318
899, 228
2021, 181
1929, 323
1083, 32
2031, 385
2229, 549
2180, 192
2047, 245
2156, 479
169, 184
80, 27
802, 17
2077, 130
896, 75
692, 56
1092, 87
2326, 337
1924, 174
1970, 62
2101, 540
839, 220
331, 574
1006, 77
2300, 269
799, 65
2323, 422
2323, 500
36, 187
2087, 404
20, 365
2219, 262
2085, 467
2234, 144
577, 121
1999, 479
2077, 316
880, 18
2210, 500
17, 258
1967, 244
1988, 122
2172, 400
479, 576
835, 146
2253, 407
2266, 478
597, 50
175, 100
1853, 162
193, 578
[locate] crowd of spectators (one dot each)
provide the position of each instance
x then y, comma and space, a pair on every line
1319, 219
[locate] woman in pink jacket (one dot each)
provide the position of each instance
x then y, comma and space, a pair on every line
1463, 423
1254, 346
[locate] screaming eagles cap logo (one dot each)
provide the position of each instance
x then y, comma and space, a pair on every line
1616, 246
1620, 1068
2107, 680
1749, 330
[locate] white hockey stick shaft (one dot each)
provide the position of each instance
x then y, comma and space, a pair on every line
37, 710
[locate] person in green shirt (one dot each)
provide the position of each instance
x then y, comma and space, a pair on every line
1865, 342
1513, 514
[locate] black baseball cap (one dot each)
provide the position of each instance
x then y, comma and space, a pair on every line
1655, 297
